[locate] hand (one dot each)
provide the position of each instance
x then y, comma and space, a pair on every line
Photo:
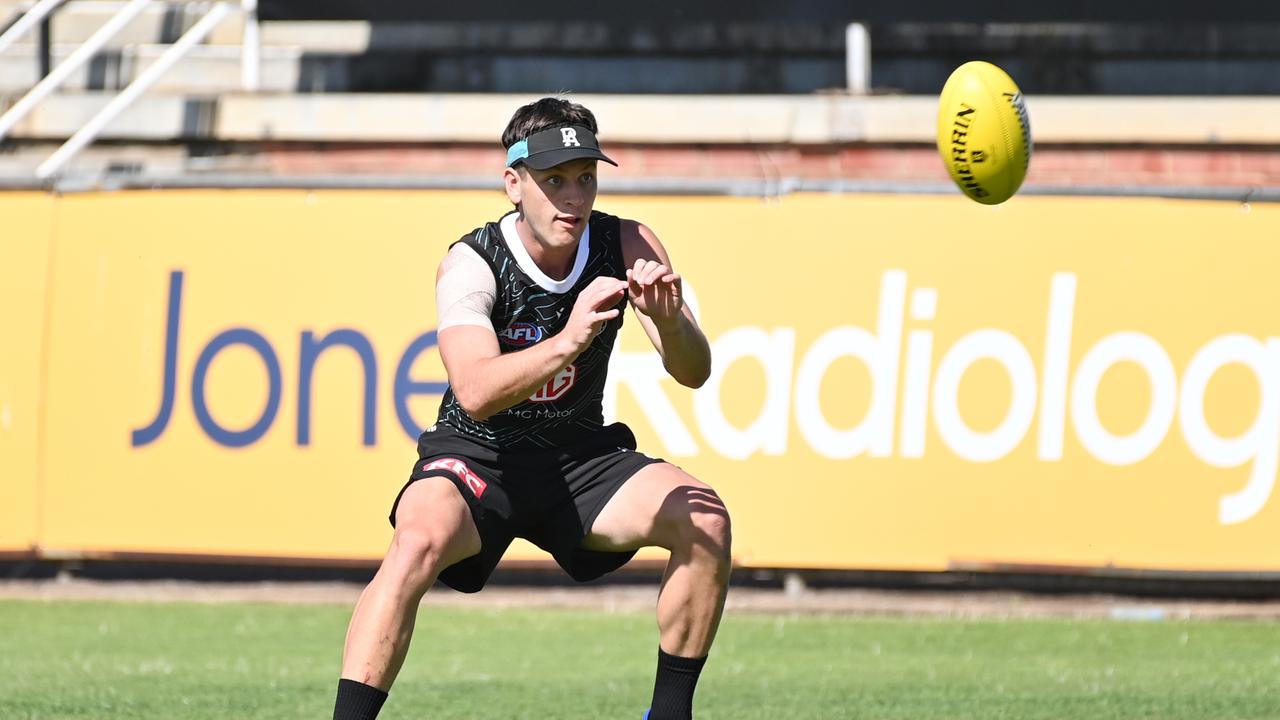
655, 291
594, 307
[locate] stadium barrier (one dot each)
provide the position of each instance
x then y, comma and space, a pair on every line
900, 382
24, 274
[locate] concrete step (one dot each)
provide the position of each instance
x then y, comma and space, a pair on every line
151, 118
21, 161
205, 69
10, 8
326, 37
160, 23
9, 13
76, 21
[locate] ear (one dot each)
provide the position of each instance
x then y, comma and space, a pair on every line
511, 183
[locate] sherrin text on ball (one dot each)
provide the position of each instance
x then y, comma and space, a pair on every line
984, 134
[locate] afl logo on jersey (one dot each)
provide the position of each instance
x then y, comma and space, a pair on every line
521, 334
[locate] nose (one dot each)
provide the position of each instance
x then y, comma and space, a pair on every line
573, 195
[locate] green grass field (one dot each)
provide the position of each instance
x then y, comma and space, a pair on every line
118, 660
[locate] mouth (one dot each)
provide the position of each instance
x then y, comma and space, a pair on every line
568, 221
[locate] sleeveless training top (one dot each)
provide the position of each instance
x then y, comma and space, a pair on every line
525, 313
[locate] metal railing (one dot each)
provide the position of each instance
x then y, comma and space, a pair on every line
215, 14
27, 21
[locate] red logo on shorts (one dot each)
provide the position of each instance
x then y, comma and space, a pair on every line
459, 468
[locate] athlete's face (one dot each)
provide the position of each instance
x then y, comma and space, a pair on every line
555, 203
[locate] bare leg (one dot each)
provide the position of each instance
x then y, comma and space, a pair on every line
696, 581
663, 505
434, 529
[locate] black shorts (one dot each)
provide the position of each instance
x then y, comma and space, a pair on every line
548, 497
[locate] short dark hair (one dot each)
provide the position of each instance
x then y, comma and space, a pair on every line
549, 112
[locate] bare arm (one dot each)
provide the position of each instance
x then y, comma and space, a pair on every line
655, 291
486, 381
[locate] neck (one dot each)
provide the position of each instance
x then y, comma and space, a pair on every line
556, 262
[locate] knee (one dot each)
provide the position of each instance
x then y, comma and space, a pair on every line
414, 557
715, 528
699, 519
433, 530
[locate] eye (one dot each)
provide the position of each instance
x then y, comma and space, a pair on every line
554, 180
588, 178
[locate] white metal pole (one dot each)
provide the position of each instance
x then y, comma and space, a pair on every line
27, 21
251, 48
80, 56
857, 58
86, 134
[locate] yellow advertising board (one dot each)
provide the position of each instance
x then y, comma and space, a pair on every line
184, 323
900, 382
924, 383
25, 233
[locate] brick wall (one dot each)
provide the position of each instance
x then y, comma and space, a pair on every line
1051, 165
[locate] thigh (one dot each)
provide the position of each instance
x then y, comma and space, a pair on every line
462, 502
649, 507
433, 511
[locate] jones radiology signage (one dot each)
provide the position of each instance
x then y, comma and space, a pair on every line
906, 372
898, 382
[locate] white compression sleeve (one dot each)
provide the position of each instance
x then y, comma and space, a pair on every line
466, 290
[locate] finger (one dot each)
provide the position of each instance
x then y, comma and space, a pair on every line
673, 278
650, 274
604, 284
603, 315
605, 299
605, 303
642, 272
613, 287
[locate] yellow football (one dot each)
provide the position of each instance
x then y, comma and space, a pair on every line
984, 135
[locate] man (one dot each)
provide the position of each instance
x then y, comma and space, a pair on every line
530, 307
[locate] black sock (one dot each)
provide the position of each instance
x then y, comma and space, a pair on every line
673, 688
357, 701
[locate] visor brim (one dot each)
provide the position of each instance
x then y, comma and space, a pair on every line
550, 158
